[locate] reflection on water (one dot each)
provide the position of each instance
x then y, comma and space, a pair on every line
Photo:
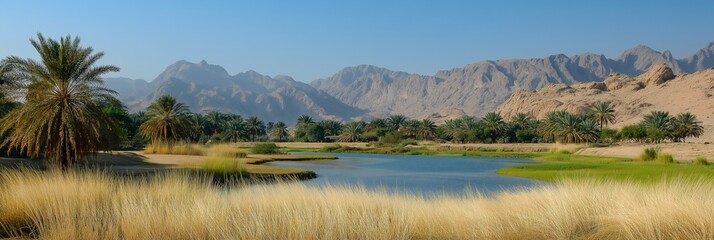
418, 174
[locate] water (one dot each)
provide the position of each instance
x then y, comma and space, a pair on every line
427, 175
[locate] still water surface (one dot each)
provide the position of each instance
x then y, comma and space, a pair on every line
427, 175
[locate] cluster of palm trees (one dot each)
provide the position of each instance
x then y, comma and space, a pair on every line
659, 126
396, 124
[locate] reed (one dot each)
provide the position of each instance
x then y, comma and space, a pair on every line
93, 205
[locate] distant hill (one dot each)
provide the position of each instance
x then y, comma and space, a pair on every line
206, 87
632, 97
481, 87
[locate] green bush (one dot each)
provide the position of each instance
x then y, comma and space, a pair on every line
649, 154
390, 138
665, 158
609, 135
265, 148
701, 160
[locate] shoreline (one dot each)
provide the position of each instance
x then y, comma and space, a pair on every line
553, 165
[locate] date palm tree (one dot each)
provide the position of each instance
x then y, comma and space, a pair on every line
659, 120
331, 127
235, 129
167, 121
352, 132
454, 129
303, 121
255, 127
396, 121
604, 113
61, 115
427, 129
279, 131
686, 125
521, 120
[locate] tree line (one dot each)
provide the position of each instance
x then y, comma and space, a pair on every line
558, 126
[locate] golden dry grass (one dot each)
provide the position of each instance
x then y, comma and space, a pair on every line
182, 148
91, 205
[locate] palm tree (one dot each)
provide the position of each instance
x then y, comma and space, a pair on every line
454, 129
686, 125
303, 121
198, 123
235, 129
61, 115
377, 123
255, 127
352, 132
331, 127
166, 121
521, 120
427, 129
493, 120
657, 119
604, 113
396, 121
279, 131
410, 128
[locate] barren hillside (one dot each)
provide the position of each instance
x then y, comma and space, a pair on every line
656, 89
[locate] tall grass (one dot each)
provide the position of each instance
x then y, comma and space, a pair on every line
180, 148
225, 151
91, 205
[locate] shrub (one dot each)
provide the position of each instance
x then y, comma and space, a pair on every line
609, 135
225, 150
701, 160
633, 132
649, 154
655, 135
223, 166
265, 148
665, 158
390, 138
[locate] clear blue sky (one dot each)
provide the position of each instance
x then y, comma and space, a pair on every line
314, 39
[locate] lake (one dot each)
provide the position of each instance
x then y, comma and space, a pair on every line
427, 175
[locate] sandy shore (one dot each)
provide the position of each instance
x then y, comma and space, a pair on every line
684, 152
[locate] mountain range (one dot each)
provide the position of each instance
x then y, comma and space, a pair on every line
366, 91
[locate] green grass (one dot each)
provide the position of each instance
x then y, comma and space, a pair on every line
224, 166
558, 166
553, 166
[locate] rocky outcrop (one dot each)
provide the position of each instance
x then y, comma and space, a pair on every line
442, 117
656, 76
